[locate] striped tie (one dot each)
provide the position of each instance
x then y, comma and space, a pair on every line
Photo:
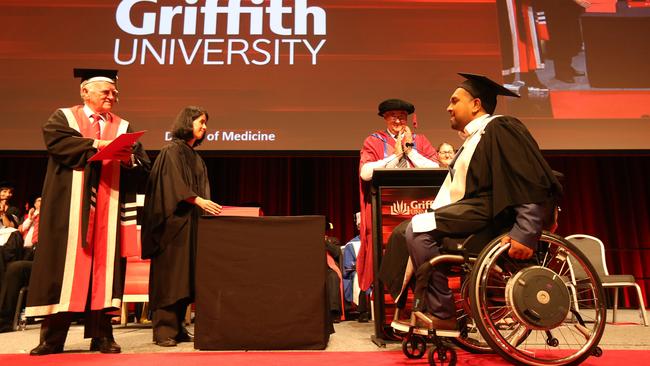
96, 128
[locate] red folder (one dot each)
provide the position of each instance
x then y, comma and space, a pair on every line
239, 211
122, 141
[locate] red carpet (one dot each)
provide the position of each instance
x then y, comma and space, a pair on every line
611, 357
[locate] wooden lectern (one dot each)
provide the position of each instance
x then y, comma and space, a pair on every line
397, 195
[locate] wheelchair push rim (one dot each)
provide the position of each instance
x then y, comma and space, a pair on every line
534, 312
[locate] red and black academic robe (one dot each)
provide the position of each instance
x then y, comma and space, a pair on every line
170, 224
376, 147
87, 216
519, 38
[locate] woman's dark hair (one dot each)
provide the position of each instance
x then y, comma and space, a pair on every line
183, 125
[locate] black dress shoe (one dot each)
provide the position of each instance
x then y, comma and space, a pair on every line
105, 345
169, 342
46, 349
184, 336
364, 317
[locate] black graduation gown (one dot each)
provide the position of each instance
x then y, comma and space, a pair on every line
507, 169
170, 224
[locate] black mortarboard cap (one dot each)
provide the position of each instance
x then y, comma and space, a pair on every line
486, 90
88, 75
395, 105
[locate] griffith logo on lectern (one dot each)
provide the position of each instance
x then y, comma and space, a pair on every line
402, 208
399, 208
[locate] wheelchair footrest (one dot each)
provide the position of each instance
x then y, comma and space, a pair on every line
404, 327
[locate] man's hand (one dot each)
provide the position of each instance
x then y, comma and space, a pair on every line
517, 250
208, 206
102, 144
408, 140
124, 155
584, 3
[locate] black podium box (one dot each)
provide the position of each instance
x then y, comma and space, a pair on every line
260, 284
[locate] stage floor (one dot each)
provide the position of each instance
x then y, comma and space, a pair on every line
628, 333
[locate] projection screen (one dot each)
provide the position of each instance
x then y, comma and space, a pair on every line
309, 74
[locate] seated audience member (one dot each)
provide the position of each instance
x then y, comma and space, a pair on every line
17, 272
350, 279
11, 242
333, 279
445, 154
11, 252
9, 227
396, 146
29, 229
6, 193
499, 180
350, 263
15, 278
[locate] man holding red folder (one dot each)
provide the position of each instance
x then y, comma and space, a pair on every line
88, 214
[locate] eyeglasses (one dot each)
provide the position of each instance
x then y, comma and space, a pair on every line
445, 152
395, 117
108, 92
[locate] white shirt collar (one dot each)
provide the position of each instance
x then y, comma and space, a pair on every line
475, 124
89, 112
391, 134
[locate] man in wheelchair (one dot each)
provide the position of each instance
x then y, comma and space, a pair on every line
498, 179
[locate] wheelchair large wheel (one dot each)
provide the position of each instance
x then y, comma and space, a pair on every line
534, 312
470, 338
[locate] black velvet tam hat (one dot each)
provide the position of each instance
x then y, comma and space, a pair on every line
486, 90
92, 75
395, 105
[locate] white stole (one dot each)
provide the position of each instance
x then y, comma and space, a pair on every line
452, 190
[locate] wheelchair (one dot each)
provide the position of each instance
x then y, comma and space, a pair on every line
530, 312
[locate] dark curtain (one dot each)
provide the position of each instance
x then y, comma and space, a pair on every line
606, 195
291, 186
609, 197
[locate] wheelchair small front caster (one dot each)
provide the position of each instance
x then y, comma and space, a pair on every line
414, 346
553, 342
597, 352
445, 356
